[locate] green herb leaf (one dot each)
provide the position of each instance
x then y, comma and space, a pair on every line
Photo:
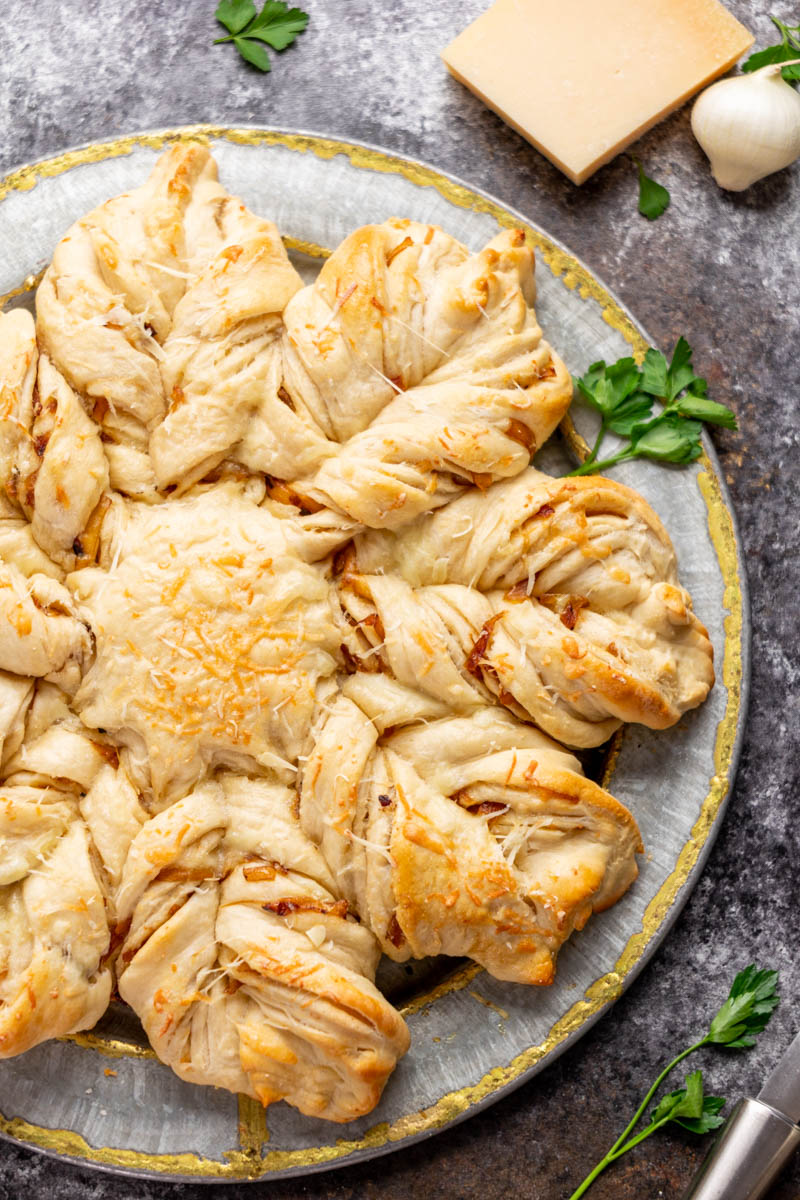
633, 411
684, 391
276, 24
667, 382
623, 377
709, 1118
686, 1102
680, 373
773, 54
613, 391
702, 409
669, 437
655, 374
253, 53
753, 999
234, 14
605, 388
690, 1108
787, 48
587, 383
653, 198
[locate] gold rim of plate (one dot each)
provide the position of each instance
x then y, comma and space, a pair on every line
252, 1159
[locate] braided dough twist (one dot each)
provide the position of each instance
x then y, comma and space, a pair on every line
241, 960
466, 836
560, 597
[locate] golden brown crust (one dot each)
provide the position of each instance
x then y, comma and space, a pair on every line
54, 933
559, 597
469, 835
427, 364
254, 980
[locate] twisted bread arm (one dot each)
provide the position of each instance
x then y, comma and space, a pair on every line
54, 934
19, 357
464, 649
72, 473
241, 959
498, 853
22, 447
427, 363
162, 310
40, 633
559, 596
222, 357
108, 296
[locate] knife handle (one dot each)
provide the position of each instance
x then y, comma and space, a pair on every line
752, 1148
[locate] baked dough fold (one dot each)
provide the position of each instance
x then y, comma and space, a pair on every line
559, 597
242, 961
54, 935
40, 633
162, 310
427, 363
469, 836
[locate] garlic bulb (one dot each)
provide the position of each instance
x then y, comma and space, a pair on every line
749, 126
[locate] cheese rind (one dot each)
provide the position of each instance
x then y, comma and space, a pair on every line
582, 81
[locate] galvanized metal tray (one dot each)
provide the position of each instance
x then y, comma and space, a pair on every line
102, 1097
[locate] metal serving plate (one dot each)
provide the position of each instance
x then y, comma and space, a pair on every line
102, 1097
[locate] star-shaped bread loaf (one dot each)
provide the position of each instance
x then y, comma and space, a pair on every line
296, 645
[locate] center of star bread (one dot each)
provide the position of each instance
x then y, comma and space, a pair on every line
211, 636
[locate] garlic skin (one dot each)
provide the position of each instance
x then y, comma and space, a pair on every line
749, 126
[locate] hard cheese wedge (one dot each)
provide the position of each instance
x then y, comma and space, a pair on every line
582, 79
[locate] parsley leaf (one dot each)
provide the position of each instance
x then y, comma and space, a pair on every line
687, 1102
624, 396
667, 382
654, 373
630, 413
653, 198
750, 1004
787, 48
276, 24
690, 1108
669, 437
697, 405
607, 388
253, 53
235, 14
709, 1118
745, 1013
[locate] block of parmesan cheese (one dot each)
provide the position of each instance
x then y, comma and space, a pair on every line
582, 79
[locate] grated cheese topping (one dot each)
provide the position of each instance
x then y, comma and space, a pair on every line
214, 651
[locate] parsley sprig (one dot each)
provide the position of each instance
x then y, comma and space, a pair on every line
277, 25
624, 396
787, 48
744, 1015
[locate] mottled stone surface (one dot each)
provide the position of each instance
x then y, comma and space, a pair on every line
722, 269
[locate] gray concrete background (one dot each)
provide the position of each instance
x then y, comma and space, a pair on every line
722, 269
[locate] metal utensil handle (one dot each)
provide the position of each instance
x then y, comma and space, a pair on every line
749, 1152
